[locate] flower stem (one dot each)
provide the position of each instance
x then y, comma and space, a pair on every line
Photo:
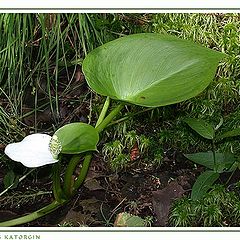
68, 181
83, 173
104, 111
87, 160
57, 188
110, 117
33, 216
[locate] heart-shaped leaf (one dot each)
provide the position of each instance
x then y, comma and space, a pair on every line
75, 138
150, 69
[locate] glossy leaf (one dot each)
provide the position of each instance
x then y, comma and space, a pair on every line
75, 138
150, 69
233, 133
224, 161
201, 127
203, 183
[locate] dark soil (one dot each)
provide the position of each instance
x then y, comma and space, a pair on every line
105, 194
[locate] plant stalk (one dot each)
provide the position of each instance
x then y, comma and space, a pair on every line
214, 156
110, 117
83, 173
68, 181
33, 216
104, 111
57, 188
230, 177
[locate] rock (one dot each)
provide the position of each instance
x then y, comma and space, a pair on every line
162, 200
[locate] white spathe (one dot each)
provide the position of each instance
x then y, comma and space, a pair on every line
33, 151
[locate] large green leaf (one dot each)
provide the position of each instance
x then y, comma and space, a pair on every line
224, 161
75, 138
201, 127
150, 69
203, 183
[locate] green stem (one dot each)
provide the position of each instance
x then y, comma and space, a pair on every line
57, 189
129, 116
68, 182
33, 216
214, 156
83, 173
232, 173
69, 188
104, 111
110, 117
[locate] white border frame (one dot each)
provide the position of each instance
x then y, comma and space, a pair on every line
118, 4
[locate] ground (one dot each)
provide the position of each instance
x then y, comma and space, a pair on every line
105, 194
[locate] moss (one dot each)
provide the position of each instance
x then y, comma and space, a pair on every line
220, 207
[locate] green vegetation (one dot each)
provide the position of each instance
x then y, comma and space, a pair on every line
37, 51
220, 32
216, 162
47, 53
42, 89
219, 208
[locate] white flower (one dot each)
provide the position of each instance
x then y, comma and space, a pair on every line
32, 151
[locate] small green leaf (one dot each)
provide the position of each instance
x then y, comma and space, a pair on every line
233, 133
201, 127
224, 161
234, 166
76, 138
10, 179
128, 220
203, 183
219, 124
